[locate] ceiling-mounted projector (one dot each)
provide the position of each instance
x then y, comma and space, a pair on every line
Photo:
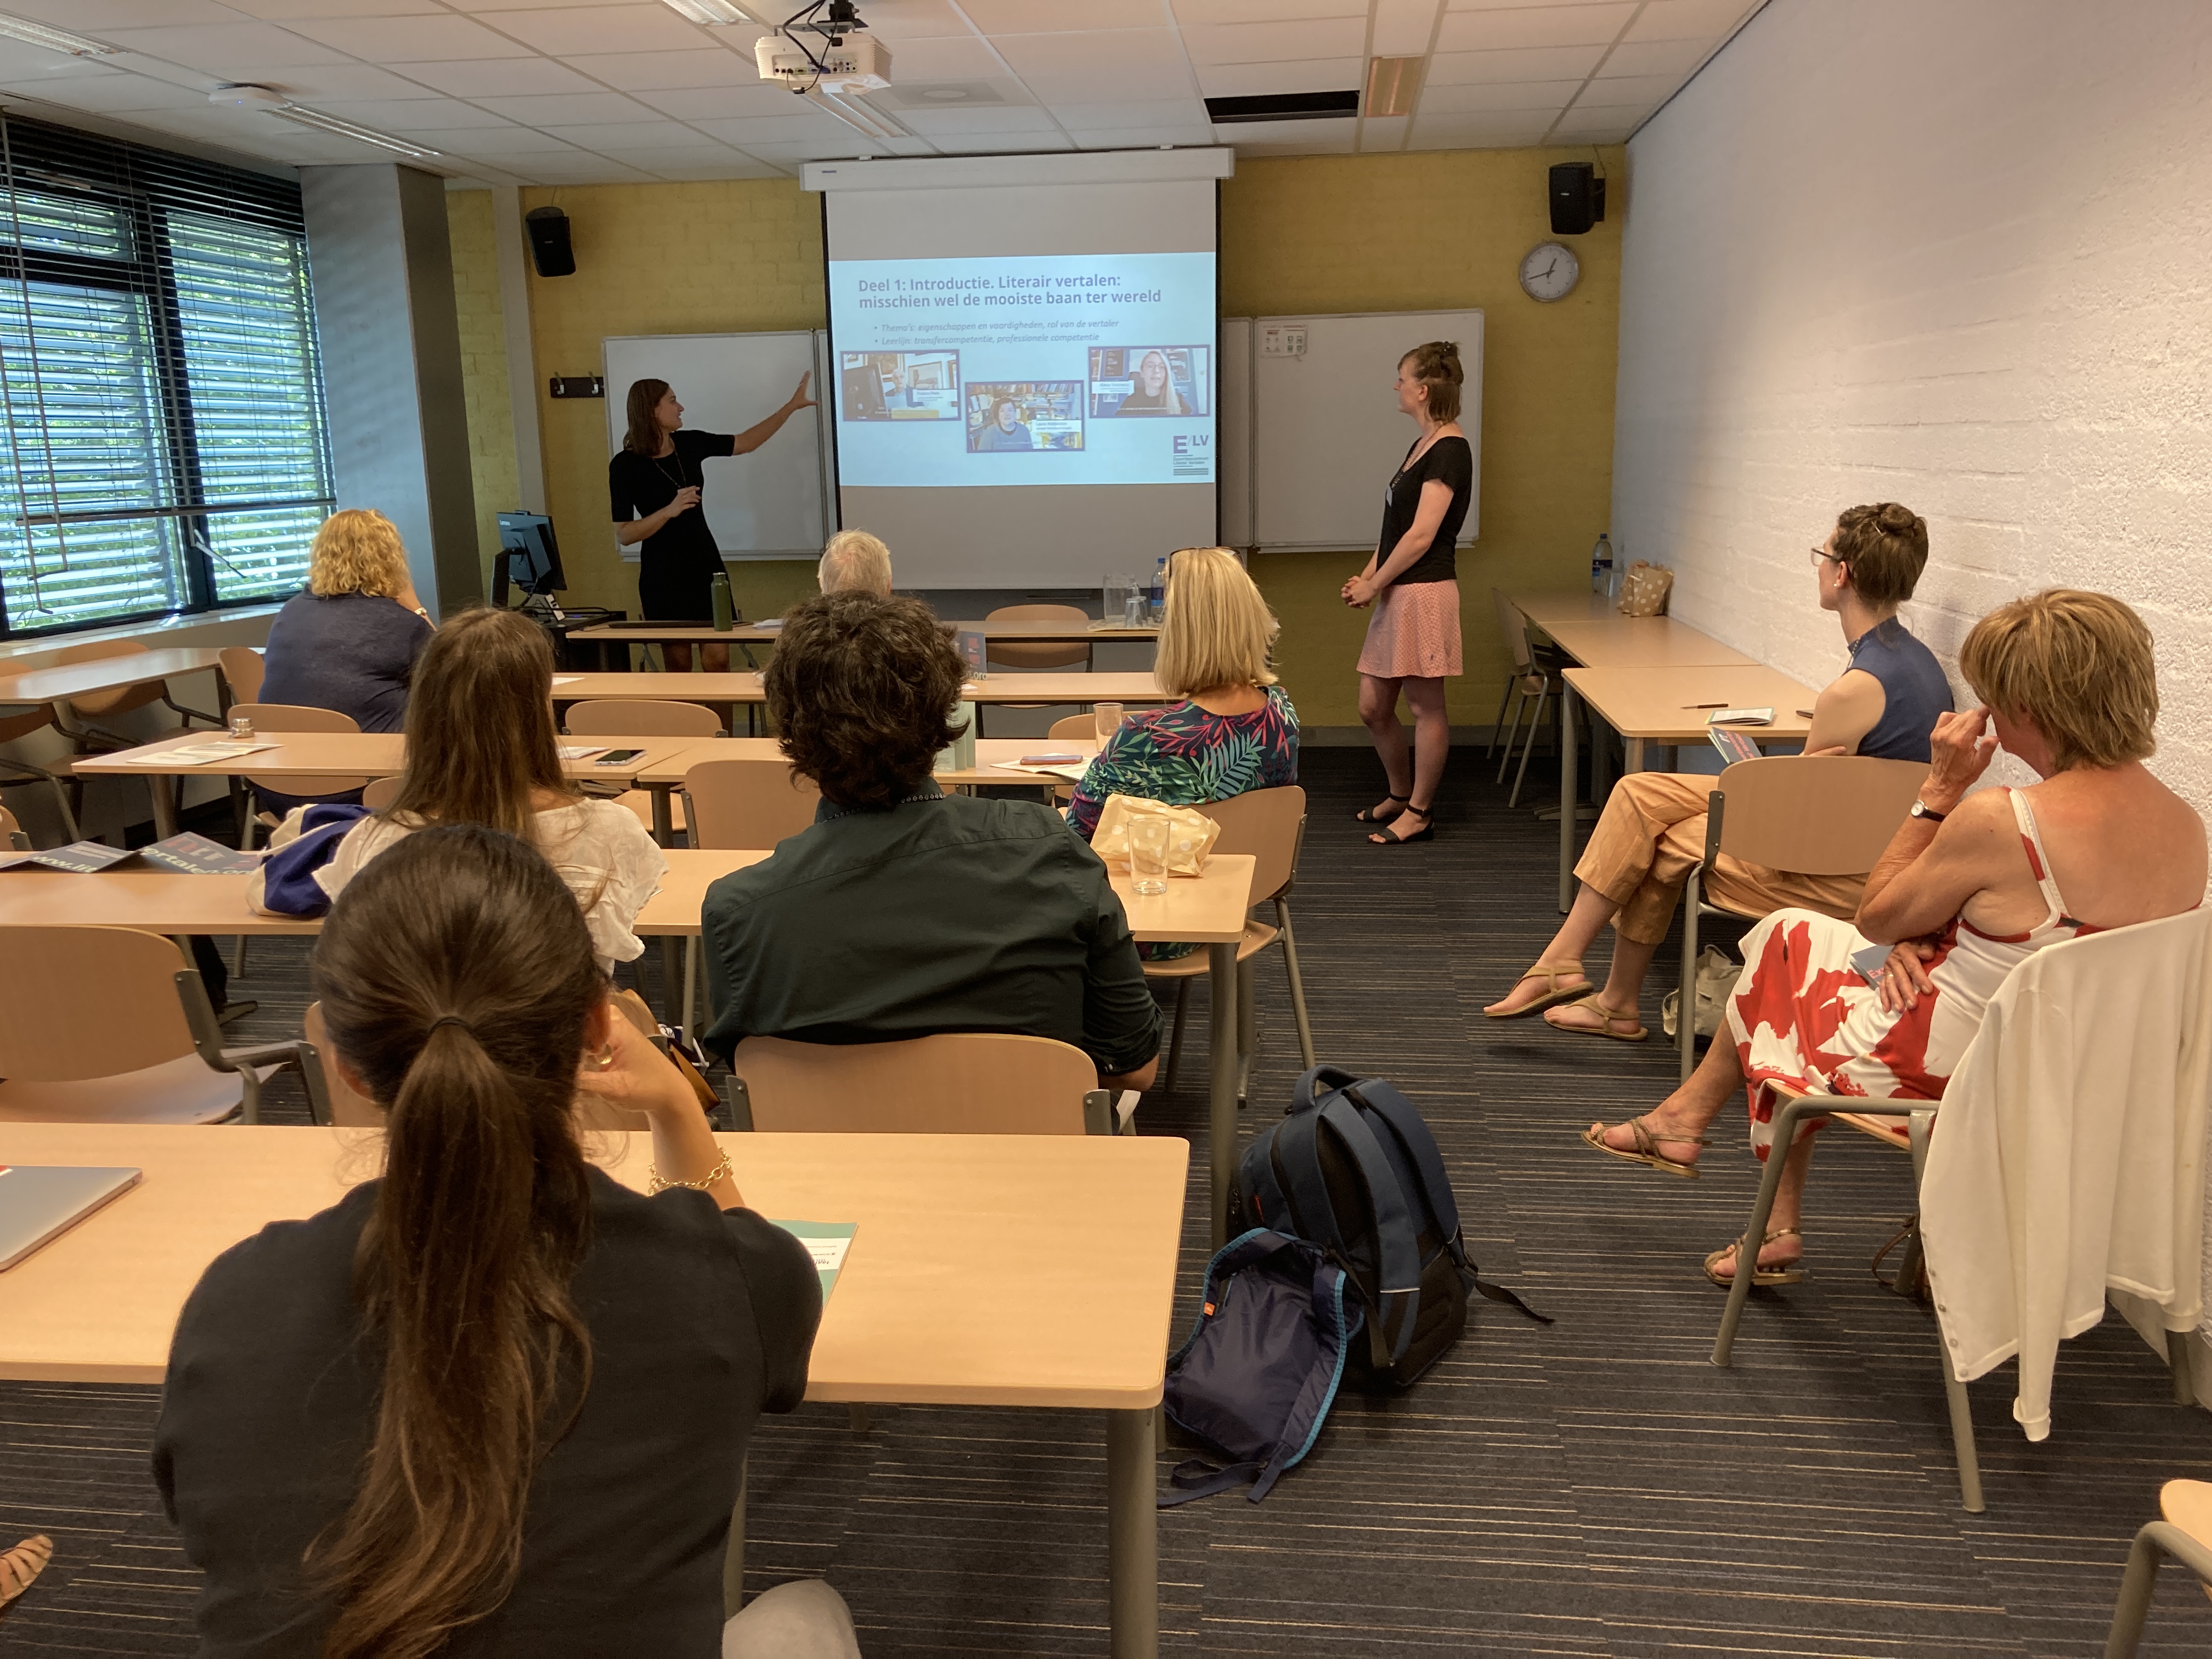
859, 62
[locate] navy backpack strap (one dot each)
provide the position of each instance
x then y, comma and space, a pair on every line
1297, 1139
1195, 1477
1332, 1077
1398, 1274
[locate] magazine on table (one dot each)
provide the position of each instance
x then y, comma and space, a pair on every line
185, 854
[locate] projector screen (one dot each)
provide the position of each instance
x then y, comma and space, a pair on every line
1024, 366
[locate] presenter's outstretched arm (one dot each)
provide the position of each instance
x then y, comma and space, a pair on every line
754, 436
1436, 500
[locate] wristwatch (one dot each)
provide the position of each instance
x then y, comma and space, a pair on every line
1920, 811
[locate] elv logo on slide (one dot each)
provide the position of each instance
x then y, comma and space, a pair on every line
1187, 441
1194, 457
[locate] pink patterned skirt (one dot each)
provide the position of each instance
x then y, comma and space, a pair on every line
1414, 633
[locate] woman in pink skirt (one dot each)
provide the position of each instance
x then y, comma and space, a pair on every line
1413, 582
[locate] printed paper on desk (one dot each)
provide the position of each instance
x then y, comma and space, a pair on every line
195, 754
579, 752
566, 680
826, 1241
1741, 717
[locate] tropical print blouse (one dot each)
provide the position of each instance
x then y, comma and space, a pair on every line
1185, 756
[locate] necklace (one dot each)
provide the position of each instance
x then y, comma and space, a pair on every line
681, 481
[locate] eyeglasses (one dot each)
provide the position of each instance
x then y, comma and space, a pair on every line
1820, 553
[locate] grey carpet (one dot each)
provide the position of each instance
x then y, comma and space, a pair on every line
1590, 1488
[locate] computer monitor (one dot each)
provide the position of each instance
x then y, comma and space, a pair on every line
864, 393
530, 558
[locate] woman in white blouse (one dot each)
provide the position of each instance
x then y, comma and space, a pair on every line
482, 749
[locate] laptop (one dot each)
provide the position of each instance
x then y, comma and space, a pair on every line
40, 1202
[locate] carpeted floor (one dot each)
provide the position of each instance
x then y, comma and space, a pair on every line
1594, 1487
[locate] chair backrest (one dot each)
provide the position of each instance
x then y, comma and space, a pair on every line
746, 804
242, 669
99, 704
955, 1083
24, 721
1819, 815
1514, 626
89, 1002
614, 717
1018, 654
1074, 726
12, 837
299, 717
1268, 823
379, 793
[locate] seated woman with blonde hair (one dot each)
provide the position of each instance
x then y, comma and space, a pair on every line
482, 749
1969, 887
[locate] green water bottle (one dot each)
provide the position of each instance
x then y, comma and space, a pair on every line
723, 613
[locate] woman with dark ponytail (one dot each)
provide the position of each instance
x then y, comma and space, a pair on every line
492, 1403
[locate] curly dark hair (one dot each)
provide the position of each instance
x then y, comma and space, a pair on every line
861, 690
1886, 545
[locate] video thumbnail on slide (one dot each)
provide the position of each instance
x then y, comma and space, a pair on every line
1011, 415
900, 385
1134, 380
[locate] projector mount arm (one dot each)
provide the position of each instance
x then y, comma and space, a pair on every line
843, 18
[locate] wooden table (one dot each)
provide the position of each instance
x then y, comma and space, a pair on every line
1642, 642
1547, 606
745, 688
1662, 705
988, 751
353, 755
59, 683
919, 1315
608, 636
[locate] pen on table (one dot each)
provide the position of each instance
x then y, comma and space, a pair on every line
1804, 713
1705, 705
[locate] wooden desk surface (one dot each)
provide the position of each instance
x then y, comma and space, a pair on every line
752, 634
1565, 605
82, 679
1658, 704
945, 1298
360, 754
1643, 642
744, 687
988, 752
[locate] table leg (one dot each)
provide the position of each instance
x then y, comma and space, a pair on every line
168, 789
1221, 1108
1132, 1536
1631, 755
1568, 766
1600, 768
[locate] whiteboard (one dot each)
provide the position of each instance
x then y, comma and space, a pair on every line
775, 503
1327, 436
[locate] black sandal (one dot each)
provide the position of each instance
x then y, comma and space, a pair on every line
1390, 837
1366, 815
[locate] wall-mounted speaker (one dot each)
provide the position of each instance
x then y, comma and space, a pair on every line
1577, 198
548, 229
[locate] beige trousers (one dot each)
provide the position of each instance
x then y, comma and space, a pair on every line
1653, 832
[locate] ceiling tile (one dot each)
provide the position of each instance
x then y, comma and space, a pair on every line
1533, 25
843, 143
114, 94
98, 16
751, 131
1098, 56
1499, 130
1260, 80
980, 118
666, 71
992, 90
1001, 143
1246, 146
916, 20
1449, 68
958, 58
1674, 58
567, 109
708, 103
500, 77
1273, 43
1332, 134
320, 82
571, 32
1645, 89
279, 11
1381, 135
226, 50
489, 143
21, 61
1689, 20
1150, 112
1550, 95
997, 17
410, 40
1601, 121
1191, 12
1192, 133
1403, 29
612, 135
688, 165
575, 168
404, 116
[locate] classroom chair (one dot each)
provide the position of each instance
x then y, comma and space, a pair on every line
954, 1082
1031, 655
2183, 1532
377, 793
11, 833
242, 670
612, 717
58, 777
107, 705
1820, 815
744, 803
112, 1025
1271, 825
272, 719
1079, 728
1535, 676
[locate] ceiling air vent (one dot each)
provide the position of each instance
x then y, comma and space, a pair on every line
1284, 107
1392, 84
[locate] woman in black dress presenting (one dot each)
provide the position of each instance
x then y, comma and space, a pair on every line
655, 482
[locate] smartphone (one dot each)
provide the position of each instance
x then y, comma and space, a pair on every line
618, 757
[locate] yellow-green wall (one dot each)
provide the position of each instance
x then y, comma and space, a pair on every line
1299, 235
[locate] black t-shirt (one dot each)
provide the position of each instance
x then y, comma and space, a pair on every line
640, 485
701, 1319
1448, 461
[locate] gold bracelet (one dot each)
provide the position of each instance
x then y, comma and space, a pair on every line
656, 1182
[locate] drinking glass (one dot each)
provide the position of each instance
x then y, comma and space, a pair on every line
1107, 717
1148, 855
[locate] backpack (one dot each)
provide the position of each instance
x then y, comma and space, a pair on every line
286, 885
1261, 1369
1354, 1169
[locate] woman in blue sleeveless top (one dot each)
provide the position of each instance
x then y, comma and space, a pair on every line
1653, 829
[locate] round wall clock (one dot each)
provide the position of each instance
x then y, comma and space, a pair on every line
1549, 271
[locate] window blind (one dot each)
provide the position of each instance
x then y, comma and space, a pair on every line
160, 394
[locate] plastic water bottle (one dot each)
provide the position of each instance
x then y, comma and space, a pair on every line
723, 612
1157, 595
1602, 564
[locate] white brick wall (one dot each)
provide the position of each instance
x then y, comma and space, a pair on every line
1953, 253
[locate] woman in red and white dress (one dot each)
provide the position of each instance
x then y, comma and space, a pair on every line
1969, 887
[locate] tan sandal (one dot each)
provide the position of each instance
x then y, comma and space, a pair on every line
1606, 1020
1790, 1273
1550, 973
21, 1566
1647, 1148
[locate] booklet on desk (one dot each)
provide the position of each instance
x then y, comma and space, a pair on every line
1733, 744
185, 854
196, 753
40, 1202
826, 1241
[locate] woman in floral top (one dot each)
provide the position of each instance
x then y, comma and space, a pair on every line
1234, 729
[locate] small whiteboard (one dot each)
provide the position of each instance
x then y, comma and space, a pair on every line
775, 503
1327, 436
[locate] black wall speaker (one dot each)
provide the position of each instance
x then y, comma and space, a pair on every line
549, 239
1577, 198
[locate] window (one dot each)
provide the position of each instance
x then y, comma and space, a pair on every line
160, 396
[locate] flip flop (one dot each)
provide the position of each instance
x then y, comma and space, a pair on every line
1608, 1019
1647, 1148
1550, 973
1788, 1273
